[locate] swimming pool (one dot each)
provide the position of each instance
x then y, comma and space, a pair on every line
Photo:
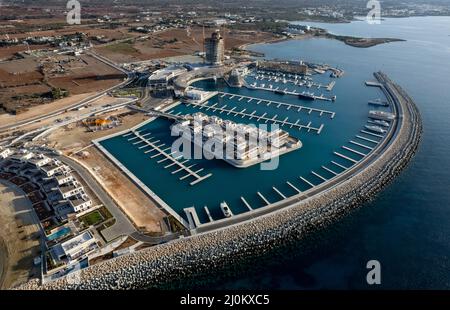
58, 234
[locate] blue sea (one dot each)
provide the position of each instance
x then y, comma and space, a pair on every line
407, 227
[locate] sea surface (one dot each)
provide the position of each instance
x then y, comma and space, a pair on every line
407, 227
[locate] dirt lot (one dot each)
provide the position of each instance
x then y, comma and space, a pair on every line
92, 75
77, 137
140, 209
24, 84
175, 42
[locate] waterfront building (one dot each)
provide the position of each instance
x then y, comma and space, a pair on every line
74, 248
215, 49
160, 79
244, 145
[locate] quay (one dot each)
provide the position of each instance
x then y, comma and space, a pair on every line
279, 104
293, 93
263, 117
297, 81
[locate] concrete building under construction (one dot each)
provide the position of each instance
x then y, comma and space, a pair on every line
214, 49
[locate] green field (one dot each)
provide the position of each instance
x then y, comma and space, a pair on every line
92, 218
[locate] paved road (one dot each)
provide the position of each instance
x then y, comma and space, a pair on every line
123, 225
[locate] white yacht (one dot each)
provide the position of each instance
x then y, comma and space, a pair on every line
226, 209
376, 129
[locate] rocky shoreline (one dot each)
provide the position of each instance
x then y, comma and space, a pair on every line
158, 266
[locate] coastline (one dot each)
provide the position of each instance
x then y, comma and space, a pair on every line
358, 42
196, 254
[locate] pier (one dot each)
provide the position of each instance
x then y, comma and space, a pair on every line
263, 198
293, 93
192, 217
306, 181
339, 165
208, 214
246, 203
330, 171
346, 157
371, 134
278, 192
296, 80
361, 145
367, 139
319, 176
279, 104
293, 187
353, 151
263, 117
175, 160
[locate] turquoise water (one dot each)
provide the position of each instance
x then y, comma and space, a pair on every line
407, 228
229, 183
60, 233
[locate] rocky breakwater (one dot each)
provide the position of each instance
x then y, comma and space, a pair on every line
157, 266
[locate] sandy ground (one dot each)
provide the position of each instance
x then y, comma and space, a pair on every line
18, 242
137, 205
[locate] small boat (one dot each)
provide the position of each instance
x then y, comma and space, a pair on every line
382, 115
379, 102
225, 209
381, 123
376, 129
306, 96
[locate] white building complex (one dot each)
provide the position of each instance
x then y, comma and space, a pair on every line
240, 145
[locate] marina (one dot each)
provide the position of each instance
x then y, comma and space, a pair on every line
169, 157
252, 107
